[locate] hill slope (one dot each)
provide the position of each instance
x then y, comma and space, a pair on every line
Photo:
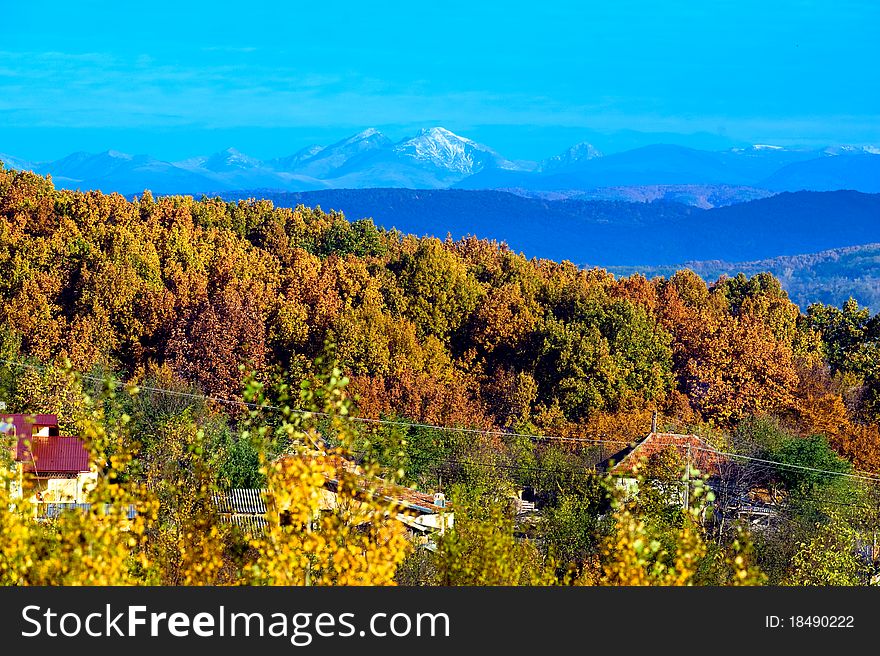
609, 233
829, 277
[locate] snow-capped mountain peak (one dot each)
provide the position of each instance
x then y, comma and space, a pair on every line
852, 150
444, 149
580, 152
327, 161
222, 162
230, 160
368, 139
758, 149
370, 135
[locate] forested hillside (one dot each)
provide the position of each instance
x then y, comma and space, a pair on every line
191, 295
613, 232
830, 277
455, 332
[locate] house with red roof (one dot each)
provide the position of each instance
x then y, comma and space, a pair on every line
51, 468
688, 449
665, 459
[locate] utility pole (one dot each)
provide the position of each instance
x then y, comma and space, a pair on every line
687, 480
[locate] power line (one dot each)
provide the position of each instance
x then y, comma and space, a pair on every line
496, 465
866, 476
311, 413
570, 474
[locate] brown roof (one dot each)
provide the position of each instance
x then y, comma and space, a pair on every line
405, 496
691, 447
410, 498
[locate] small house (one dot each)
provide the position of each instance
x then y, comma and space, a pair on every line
50, 467
665, 459
422, 513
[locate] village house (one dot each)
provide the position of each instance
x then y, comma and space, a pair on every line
667, 459
48, 467
420, 512
424, 515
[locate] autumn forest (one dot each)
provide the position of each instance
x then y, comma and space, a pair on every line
471, 355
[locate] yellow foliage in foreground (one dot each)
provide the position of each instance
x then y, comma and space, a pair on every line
312, 536
175, 536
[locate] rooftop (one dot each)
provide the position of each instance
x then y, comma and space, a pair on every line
691, 448
408, 498
24, 427
55, 455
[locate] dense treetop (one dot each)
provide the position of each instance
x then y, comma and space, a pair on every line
207, 296
463, 333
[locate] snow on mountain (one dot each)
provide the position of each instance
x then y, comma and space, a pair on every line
578, 153
231, 160
328, 160
440, 148
437, 158
292, 162
226, 160
765, 148
433, 159
852, 150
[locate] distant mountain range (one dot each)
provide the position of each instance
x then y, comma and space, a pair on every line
435, 158
608, 233
830, 277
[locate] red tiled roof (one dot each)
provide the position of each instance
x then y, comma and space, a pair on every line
56, 455
701, 455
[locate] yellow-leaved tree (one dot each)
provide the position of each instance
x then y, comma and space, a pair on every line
152, 518
329, 521
636, 553
98, 546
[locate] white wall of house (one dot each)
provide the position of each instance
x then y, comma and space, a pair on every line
63, 490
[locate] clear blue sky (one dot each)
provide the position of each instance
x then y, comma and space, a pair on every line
182, 78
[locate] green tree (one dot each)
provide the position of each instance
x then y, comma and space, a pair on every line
829, 557
440, 291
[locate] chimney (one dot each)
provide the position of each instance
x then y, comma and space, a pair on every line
654, 422
440, 499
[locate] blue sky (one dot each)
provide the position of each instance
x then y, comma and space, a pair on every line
183, 78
